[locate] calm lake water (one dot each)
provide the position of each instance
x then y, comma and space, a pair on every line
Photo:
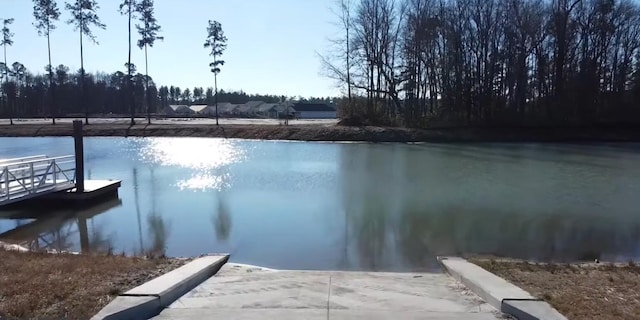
391, 207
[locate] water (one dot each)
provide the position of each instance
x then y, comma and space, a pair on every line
391, 207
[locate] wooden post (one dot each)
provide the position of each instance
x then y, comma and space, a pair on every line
79, 148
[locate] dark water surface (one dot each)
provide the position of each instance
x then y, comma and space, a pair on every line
390, 207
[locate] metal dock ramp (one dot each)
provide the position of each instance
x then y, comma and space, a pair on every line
30, 177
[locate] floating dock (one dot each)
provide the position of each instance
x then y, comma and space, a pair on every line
93, 190
59, 179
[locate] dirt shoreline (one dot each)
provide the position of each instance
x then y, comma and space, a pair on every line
334, 133
577, 290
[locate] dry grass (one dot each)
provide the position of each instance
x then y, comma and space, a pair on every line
65, 286
579, 291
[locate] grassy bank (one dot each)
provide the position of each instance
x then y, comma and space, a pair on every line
332, 133
579, 291
67, 286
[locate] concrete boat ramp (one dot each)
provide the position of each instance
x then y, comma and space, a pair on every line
211, 288
244, 292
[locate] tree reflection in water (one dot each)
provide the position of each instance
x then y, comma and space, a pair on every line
159, 232
222, 219
450, 200
158, 227
137, 203
63, 230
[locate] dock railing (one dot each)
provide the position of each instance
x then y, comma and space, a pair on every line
29, 176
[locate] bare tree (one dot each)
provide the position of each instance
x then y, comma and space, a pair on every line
337, 62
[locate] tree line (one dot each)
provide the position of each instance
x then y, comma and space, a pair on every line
488, 62
83, 17
26, 94
76, 93
109, 93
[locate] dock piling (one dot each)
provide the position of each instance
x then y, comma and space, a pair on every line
79, 149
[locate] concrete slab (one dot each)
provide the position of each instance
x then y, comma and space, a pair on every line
531, 310
129, 308
485, 284
313, 314
500, 293
147, 300
257, 292
176, 283
400, 291
254, 293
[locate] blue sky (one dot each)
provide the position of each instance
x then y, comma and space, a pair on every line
271, 49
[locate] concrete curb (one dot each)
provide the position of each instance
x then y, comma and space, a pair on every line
147, 300
498, 292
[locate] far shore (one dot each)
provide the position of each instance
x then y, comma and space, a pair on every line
325, 131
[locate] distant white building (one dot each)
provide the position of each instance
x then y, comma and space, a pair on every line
270, 110
175, 110
250, 108
225, 108
313, 111
203, 109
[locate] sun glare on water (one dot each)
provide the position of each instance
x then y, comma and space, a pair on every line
204, 182
208, 159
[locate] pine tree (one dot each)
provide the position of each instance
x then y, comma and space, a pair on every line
46, 13
217, 42
7, 40
148, 30
83, 17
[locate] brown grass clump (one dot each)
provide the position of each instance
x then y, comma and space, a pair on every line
68, 286
579, 291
